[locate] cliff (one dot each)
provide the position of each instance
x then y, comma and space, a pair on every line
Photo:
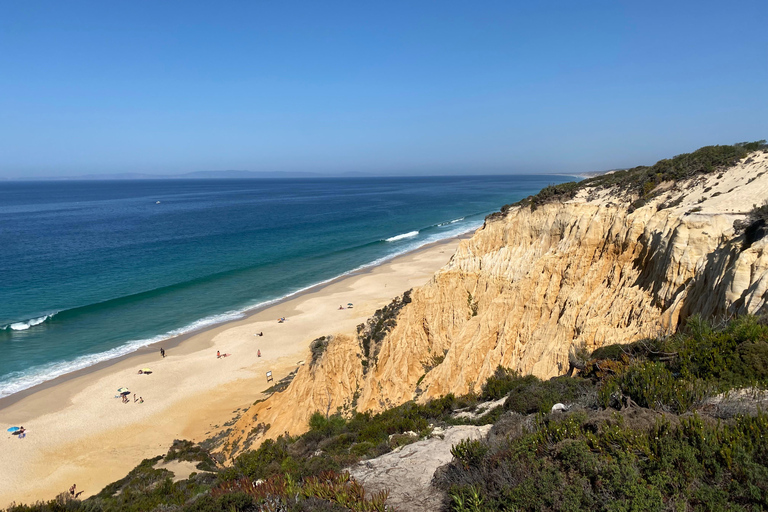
539, 280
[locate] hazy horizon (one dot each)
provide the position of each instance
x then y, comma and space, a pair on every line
389, 89
243, 174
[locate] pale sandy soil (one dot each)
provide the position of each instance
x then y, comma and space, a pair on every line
78, 432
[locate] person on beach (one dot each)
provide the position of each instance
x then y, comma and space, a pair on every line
141, 400
134, 398
162, 351
218, 355
341, 307
72, 490
258, 353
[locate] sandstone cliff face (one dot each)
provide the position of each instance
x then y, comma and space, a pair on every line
530, 285
325, 386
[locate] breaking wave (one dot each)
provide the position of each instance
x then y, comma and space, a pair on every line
454, 221
403, 236
26, 324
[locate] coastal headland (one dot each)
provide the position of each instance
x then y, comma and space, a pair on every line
80, 432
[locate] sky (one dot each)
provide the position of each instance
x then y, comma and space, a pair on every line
422, 87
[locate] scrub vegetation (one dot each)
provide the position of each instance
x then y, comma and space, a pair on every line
669, 423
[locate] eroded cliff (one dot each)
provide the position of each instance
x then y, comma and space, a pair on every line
533, 283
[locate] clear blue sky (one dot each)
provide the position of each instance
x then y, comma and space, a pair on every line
430, 86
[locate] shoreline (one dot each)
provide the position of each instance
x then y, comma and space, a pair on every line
175, 341
78, 433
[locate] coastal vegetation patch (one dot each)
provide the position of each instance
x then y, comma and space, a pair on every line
317, 348
640, 182
371, 333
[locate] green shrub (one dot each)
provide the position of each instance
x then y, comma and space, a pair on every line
733, 355
499, 384
652, 385
578, 463
469, 452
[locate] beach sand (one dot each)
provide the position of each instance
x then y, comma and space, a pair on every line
78, 432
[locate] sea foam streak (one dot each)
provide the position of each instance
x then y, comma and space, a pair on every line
26, 324
410, 234
454, 221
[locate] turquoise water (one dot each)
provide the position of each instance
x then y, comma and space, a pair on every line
90, 271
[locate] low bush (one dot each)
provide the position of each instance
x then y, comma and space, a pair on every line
679, 372
575, 463
184, 450
469, 452
330, 490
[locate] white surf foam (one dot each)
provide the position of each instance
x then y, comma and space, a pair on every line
19, 381
26, 324
410, 234
454, 221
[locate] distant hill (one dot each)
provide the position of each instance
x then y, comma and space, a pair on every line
234, 174
198, 175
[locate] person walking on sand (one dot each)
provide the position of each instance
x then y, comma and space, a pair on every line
218, 355
141, 400
162, 351
258, 353
134, 398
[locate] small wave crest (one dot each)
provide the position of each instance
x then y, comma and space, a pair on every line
454, 221
26, 324
403, 236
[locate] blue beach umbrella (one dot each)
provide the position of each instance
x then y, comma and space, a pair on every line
13, 429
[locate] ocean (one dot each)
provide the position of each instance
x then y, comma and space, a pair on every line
93, 270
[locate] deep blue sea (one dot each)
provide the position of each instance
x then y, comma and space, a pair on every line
92, 270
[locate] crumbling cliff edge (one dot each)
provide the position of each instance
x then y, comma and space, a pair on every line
602, 265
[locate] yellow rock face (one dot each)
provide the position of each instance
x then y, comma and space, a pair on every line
530, 285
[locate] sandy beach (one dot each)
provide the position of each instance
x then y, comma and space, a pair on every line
79, 431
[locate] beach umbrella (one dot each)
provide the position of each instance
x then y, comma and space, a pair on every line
13, 429
349, 303
146, 370
123, 391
